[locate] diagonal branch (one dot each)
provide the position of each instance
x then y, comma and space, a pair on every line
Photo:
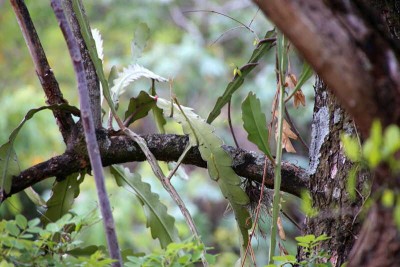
117, 148
42, 67
90, 72
90, 134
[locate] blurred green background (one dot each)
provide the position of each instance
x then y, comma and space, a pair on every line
198, 49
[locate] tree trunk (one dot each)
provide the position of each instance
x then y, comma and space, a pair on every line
329, 168
378, 243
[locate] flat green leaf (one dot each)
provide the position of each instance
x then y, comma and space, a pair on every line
306, 204
219, 163
9, 166
21, 221
285, 258
238, 80
255, 123
282, 55
140, 38
351, 147
85, 251
391, 140
139, 107
388, 198
351, 182
34, 197
157, 112
12, 228
372, 153
305, 74
162, 225
322, 237
396, 212
63, 194
305, 239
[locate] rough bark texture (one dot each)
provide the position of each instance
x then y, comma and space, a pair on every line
329, 169
116, 148
346, 47
355, 50
43, 70
91, 76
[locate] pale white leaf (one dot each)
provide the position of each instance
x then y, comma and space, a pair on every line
129, 75
99, 43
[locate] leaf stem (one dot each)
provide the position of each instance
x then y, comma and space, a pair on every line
282, 63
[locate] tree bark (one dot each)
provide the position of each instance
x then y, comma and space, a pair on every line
329, 168
355, 50
116, 148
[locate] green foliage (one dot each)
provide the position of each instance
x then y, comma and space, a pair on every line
352, 181
314, 257
396, 212
9, 165
379, 147
193, 60
219, 163
255, 123
258, 53
282, 62
63, 194
162, 224
306, 204
139, 107
388, 198
351, 148
24, 242
186, 253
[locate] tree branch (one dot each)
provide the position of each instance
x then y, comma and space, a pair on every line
42, 67
89, 133
117, 148
90, 71
328, 34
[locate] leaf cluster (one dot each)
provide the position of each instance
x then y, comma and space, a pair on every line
314, 257
27, 243
186, 253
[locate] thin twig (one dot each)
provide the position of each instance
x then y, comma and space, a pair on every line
230, 124
179, 162
289, 119
222, 14
254, 17
258, 209
225, 32
166, 184
281, 42
43, 70
90, 135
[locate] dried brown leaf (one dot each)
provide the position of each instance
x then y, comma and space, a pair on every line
291, 81
299, 98
281, 231
287, 134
